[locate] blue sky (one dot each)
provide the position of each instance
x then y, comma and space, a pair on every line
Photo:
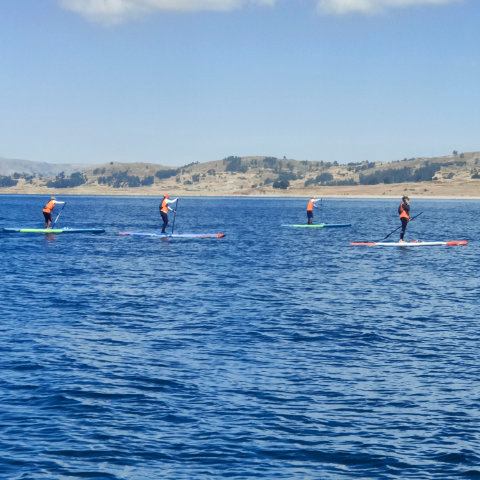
177, 81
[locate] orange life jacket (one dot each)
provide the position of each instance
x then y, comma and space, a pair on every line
310, 206
164, 206
49, 206
403, 213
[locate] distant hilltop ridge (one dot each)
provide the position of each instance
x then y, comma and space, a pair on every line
237, 175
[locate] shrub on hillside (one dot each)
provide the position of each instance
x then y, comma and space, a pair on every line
321, 179
270, 162
163, 174
61, 181
234, 164
425, 173
281, 183
120, 180
6, 181
147, 181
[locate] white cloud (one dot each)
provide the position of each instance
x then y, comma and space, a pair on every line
118, 11
340, 7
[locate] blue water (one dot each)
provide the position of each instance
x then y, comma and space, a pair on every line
272, 353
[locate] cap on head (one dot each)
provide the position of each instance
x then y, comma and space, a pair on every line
166, 195
52, 197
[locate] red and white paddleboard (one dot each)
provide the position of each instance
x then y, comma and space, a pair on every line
414, 243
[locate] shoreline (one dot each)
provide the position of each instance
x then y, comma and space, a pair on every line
426, 190
234, 195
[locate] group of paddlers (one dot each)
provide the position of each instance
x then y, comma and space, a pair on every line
403, 211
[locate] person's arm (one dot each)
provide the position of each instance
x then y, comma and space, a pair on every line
59, 203
169, 202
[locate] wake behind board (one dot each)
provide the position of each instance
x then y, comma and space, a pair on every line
319, 225
175, 235
416, 243
53, 230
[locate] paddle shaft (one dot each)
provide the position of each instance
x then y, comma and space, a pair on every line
174, 215
58, 216
398, 228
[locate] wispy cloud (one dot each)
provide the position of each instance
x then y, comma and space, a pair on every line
119, 11
341, 7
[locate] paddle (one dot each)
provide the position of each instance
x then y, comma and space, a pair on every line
174, 215
58, 216
398, 228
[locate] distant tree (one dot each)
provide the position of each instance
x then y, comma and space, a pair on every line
166, 173
120, 180
462, 155
340, 183
270, 162
324, 177
61, 181
423, 173
148, 180
281, 183
454, 153
234, 165
6, 181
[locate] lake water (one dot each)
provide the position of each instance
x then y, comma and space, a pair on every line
272, 353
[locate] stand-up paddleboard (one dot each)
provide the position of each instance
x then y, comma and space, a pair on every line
174, 235
319, 225
53, 230
416, 243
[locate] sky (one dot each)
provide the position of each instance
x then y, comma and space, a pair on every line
179, 81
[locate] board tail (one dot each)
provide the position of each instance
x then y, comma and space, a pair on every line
457, 243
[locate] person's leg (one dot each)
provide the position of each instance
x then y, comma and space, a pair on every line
404, 227
48, 219
165, 221
309, 218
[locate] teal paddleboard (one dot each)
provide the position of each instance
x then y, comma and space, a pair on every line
319, 225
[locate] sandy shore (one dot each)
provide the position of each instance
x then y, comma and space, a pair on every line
465, 190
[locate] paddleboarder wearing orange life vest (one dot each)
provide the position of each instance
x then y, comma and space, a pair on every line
404, 212
164, 209
310, 206
48, 209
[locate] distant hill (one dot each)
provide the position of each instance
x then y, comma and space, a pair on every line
238, 175
9, 166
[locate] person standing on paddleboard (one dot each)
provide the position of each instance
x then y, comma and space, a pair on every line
404, 212
164, 209
310, 206
48, 209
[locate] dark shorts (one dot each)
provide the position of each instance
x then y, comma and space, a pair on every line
309, 214
47, 216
